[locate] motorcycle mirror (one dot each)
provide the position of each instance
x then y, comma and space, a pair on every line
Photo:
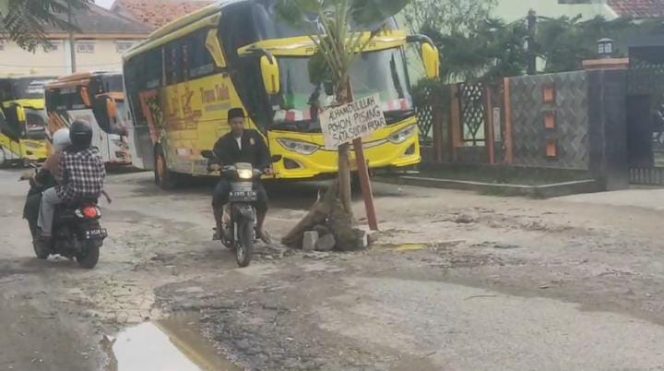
208, 154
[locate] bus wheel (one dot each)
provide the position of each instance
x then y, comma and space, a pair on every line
163, 177
3, 158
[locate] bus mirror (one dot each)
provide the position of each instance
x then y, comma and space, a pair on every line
20, 114
431, 58
270, 72
85, 97
112, 109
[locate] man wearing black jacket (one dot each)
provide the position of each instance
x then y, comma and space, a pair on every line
241, 145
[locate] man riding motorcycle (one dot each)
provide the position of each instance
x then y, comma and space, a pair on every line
82, 172
241, 145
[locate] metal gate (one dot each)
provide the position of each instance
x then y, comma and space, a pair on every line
645, 117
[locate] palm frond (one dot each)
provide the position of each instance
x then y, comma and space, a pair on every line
25, 21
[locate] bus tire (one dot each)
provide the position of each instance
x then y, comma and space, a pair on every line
163, 177
3, 158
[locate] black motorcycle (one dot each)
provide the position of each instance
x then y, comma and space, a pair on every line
239, 232
77, 232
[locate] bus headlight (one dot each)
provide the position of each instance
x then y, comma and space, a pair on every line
303, 148
402, 135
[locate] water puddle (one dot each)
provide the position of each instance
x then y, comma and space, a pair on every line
411, 247
407, 247
168, 345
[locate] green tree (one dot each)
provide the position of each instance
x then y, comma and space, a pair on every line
24, 21
447, 16
565, 42
341, 30
490, 50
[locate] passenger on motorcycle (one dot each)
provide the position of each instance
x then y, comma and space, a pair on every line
46, 177
61, 141
82, 176
241, 145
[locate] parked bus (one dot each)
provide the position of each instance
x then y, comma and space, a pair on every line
182, 80
23, 123
97, 98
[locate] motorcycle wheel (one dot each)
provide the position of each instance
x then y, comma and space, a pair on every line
245, 244
89, 257
3, 158
40, 251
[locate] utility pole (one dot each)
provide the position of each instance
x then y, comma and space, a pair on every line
72, 42
532, 58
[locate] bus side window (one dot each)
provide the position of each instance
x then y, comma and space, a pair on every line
173, 59
5, 90
200, 62
152, 68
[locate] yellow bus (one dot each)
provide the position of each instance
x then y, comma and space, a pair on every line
23, 125
181, 81
97, 98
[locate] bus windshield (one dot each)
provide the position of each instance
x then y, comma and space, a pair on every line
35, 125
29, 87
112, 84
382, 73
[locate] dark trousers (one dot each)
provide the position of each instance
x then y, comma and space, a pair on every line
31, 211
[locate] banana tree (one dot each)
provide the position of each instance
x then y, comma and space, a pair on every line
25, 21
341, 31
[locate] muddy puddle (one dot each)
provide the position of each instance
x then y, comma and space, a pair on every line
168, 345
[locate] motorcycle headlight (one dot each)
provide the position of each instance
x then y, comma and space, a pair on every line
245, 173
402, 135
300, 147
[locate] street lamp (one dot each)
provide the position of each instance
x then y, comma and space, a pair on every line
605, 48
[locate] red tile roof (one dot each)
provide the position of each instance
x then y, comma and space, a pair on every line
638, 8
157, 13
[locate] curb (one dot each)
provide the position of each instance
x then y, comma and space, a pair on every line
538, 191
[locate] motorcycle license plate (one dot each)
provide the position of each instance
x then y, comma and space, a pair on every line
95, 234
243, 196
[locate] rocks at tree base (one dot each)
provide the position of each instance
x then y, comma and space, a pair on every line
309, 240
326, 243
320, 238
327, 217
322, 230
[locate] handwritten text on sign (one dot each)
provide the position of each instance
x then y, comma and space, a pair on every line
351, 121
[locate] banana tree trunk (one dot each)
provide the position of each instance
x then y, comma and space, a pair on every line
345, 95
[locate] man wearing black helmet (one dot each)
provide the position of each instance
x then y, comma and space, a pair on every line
241, 145
83, 175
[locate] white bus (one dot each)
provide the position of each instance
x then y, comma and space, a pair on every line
97, 98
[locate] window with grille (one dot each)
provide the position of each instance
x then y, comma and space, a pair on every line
123, 46
85, 47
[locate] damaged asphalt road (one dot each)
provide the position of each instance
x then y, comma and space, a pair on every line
455, 281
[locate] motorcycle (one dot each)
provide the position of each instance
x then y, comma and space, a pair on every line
77, 232
239, 231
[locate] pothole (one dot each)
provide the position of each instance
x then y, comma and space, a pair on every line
171, 344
